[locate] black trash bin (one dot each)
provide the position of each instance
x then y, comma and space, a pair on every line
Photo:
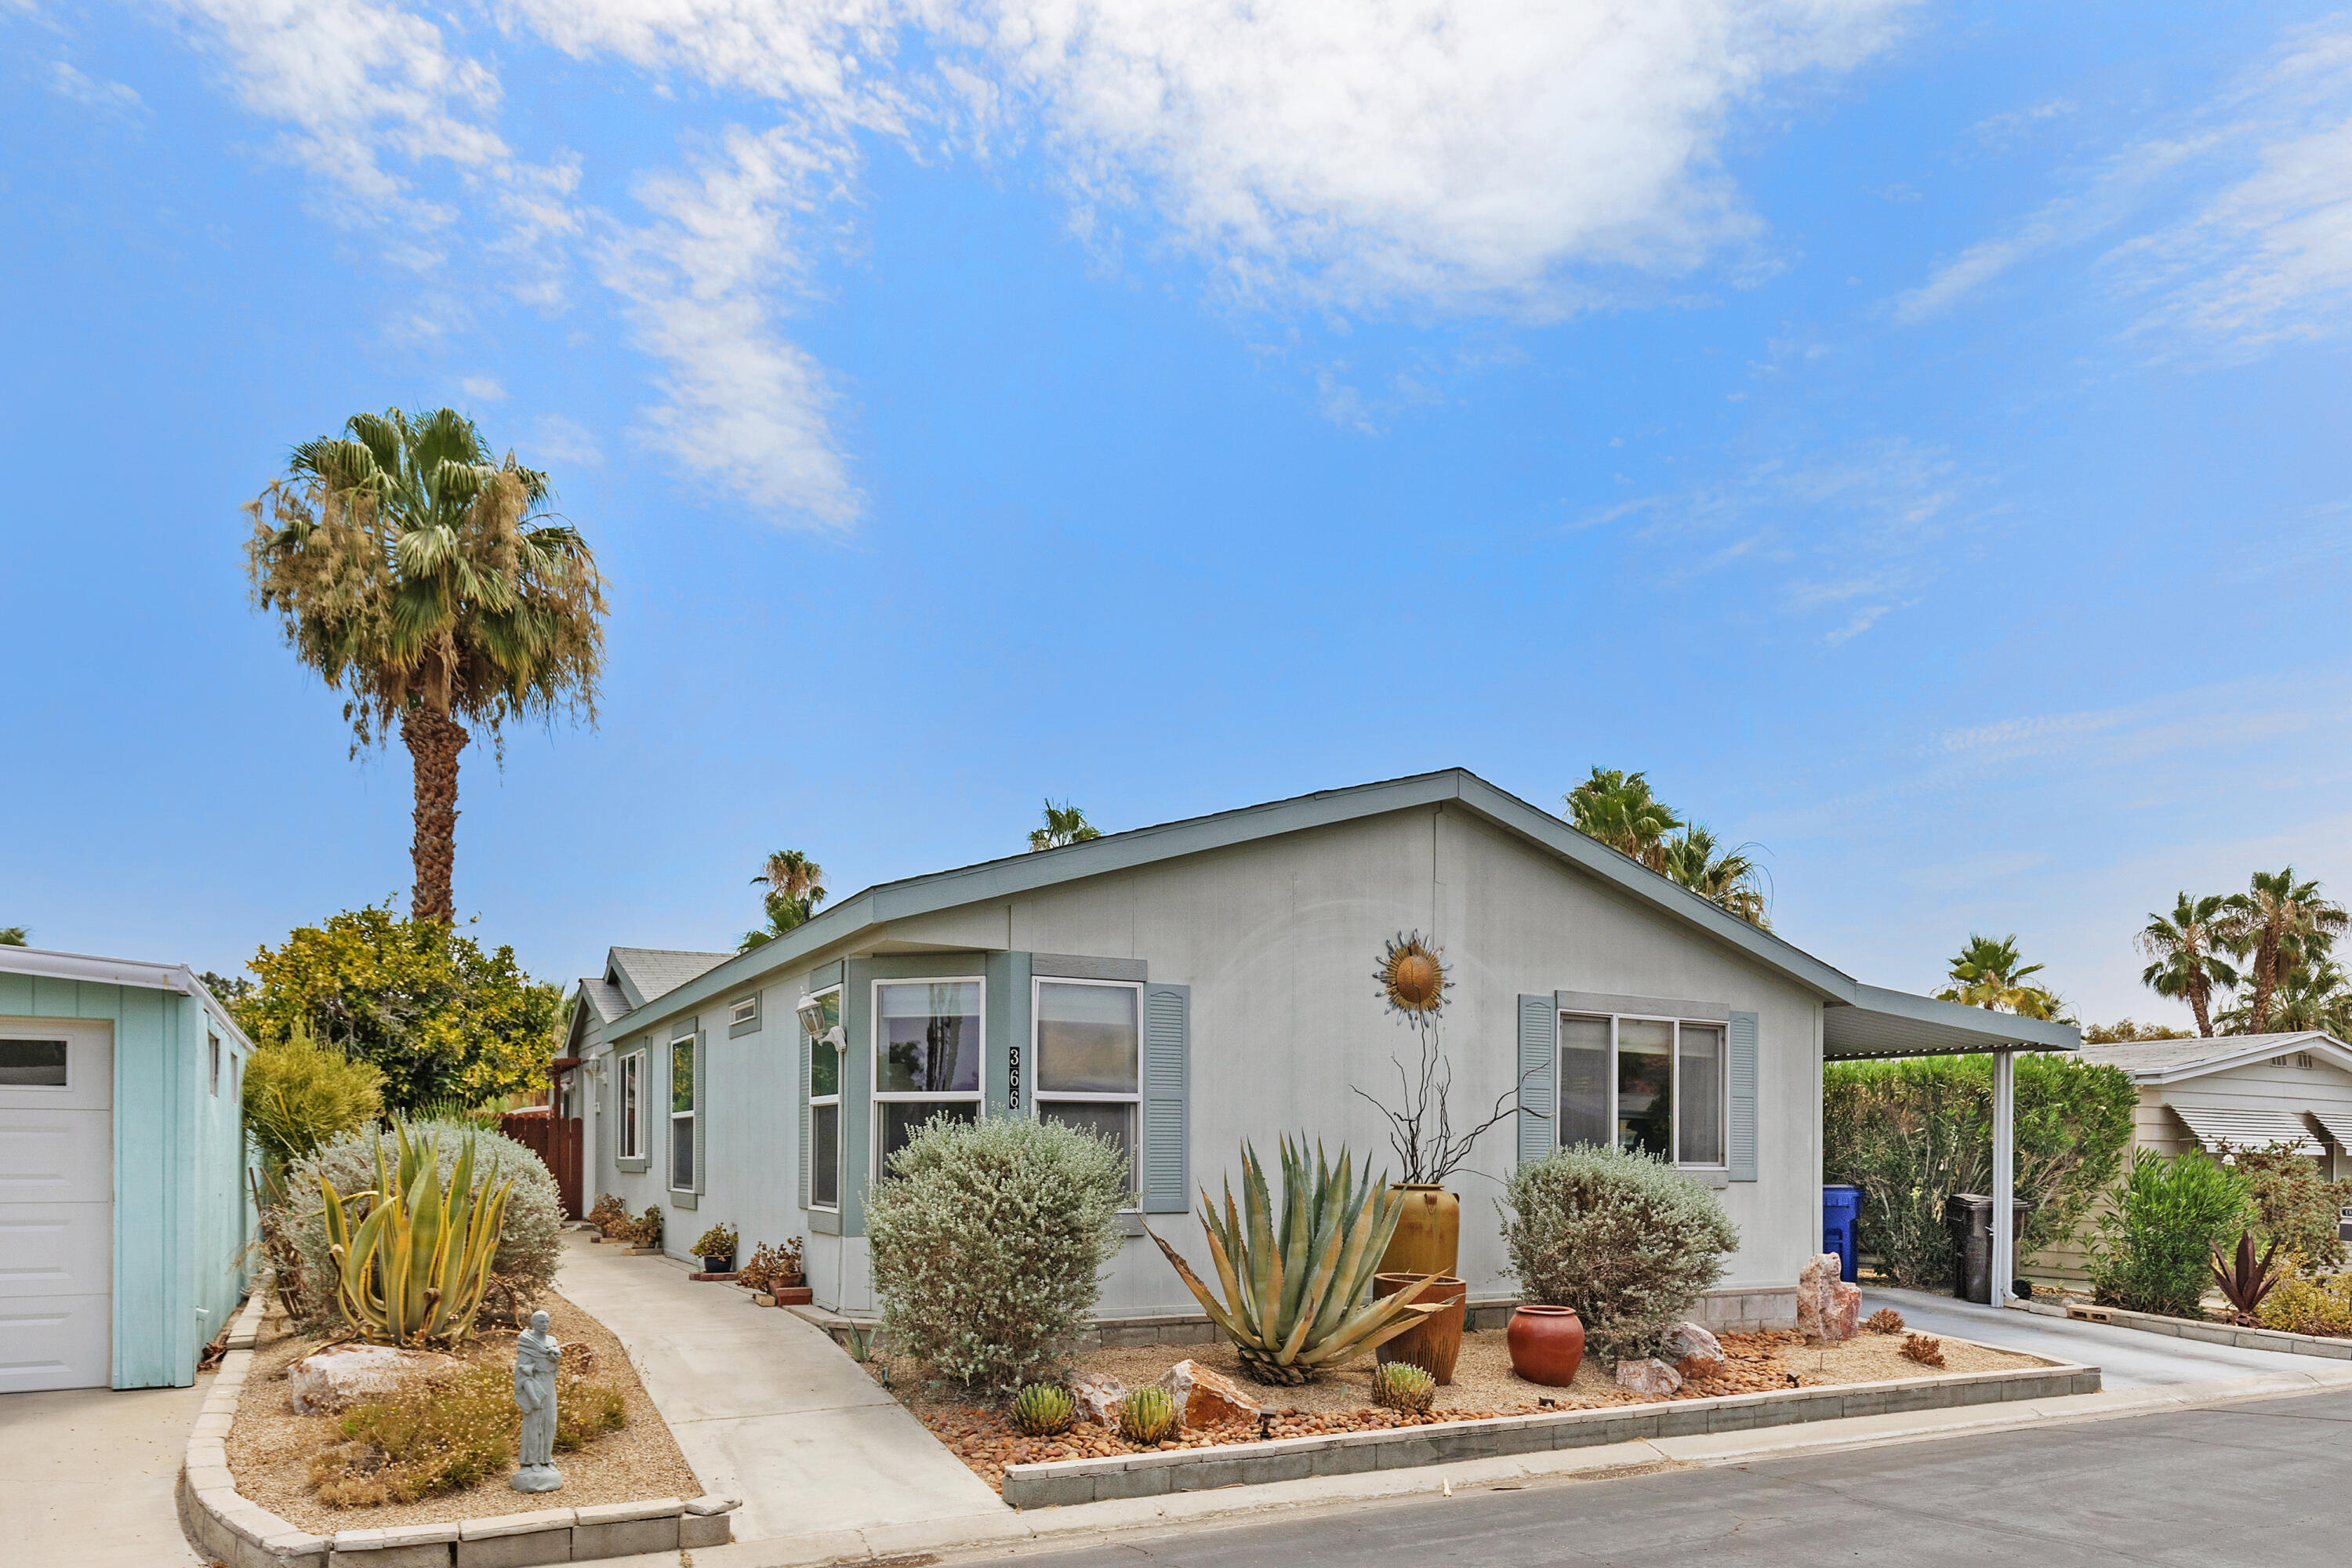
1970, 1216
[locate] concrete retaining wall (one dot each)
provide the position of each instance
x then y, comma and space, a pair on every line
224, 1525
1353, 1453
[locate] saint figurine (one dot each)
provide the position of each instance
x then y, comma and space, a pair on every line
537, 1356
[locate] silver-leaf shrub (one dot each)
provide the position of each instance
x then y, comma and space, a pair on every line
988, 1240
1623, 1239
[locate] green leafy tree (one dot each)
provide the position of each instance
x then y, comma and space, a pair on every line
2291, 1203
1065, 823
1989, 972
2185, 949
1729, 878
795, 886
2124, 1031
441, 1018
1617, 808
421, 576
2280, 922
15, 936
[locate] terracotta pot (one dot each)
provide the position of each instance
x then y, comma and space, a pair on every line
1434, 1342
1428, 1239
1547, 1344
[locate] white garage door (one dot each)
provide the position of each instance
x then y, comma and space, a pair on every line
57, 1203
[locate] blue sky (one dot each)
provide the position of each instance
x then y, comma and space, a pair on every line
1915, 434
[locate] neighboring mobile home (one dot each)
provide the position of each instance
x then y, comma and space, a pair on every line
2249, 1091
122, 1172
1187, 987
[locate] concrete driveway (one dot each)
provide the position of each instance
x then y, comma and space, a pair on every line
2126, 1358
88, 1475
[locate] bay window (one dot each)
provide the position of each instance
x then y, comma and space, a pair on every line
927, 1055
824, 1105
1653, 1086
1086, 1059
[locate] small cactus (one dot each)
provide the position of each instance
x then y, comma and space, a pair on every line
1045, 1410
1146, 1416
1401, 1386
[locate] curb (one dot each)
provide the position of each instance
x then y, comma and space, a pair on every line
2186, 1329
226, 1527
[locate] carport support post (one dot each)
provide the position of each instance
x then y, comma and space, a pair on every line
2004, 1172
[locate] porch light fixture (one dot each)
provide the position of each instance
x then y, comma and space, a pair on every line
811, 1016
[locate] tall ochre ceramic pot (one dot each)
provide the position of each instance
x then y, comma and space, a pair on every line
1428, 1239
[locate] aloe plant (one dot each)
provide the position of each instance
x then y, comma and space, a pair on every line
1295, 1294
414, 1269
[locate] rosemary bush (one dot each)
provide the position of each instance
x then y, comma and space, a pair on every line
1622, 1237
988, 1242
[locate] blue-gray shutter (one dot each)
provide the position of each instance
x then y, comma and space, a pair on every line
1538, 1070
805, 1048
1740, 1043
1163, 1175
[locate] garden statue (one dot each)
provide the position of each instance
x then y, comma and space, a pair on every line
537, 1356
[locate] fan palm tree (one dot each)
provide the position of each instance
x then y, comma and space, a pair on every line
2185, 949
1729, 878
1065, 823
421, 577
2315, 997
795, 886
2279, 922
1617, 808
1989, 972
15, 936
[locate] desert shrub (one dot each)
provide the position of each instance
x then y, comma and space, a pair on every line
645, 1230
445, 1434
1621, 1237
988, 1240
772, 1267
2157, 1242
609, 1214
2292, 1205
1886, 1321
719, 1241
531, 1244
300, 1094
1924, 1349
2309, 1307
1911, 1133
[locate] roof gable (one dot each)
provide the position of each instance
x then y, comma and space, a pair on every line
2176, 1061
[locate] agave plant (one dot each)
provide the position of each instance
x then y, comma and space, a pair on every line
1295, 1295
2246, 1279
414, 1270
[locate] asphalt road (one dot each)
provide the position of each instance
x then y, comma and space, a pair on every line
2263, 1484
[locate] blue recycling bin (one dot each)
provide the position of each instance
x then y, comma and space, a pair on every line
1841, 1212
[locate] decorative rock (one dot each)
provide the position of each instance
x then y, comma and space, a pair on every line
334, 1378
1842, 1310
1696, 1351
1206, 1397
1099, 1398
1648, 1377
1813, 1281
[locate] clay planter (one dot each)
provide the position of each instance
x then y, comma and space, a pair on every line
1547, 1344
1428, 1239
1434, 1342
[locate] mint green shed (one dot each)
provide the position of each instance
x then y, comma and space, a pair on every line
123, 1207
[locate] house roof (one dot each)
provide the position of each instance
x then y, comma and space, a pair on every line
2172, 1061
608, 1000
48, 964
1861, 1020
648, 973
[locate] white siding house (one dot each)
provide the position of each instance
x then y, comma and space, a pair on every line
1220, 971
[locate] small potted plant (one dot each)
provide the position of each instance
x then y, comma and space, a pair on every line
716, 1247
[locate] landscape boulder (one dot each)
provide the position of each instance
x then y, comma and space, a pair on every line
1648, 1376
1828, 1308
1097, 1398
1694, 1351
1205, 1397
346, 1374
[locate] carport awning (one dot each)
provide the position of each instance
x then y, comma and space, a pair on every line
1882, 1023
2246, 1129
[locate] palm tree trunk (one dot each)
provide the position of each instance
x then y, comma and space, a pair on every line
2258, 1016
2199, 987
433, 740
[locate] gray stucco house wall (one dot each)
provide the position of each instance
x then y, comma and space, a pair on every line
1247, 941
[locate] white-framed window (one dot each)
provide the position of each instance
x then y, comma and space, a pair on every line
825, 1106
926, 1056
1085, 1057
745, 1013
212, 1047
1655, 1086
632, 1106
682, 1091
35, 1064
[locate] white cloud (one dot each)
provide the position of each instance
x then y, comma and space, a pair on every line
484, 388
743, 408
557, 441
112, 97
1998, 130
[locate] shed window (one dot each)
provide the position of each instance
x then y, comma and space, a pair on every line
1653, 1086
824, 1107
32, 1063
1086, 1063
926, 1053
682, 1113
212, 1046
633, 1105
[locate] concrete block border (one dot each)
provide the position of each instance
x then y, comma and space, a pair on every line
1065, 1481
228, 1527
2188, 1329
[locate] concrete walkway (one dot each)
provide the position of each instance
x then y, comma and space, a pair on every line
2126, 1358
88, 1473
768, 1409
